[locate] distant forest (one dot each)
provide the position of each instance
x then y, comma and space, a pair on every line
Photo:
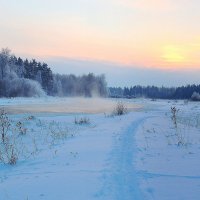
30, 78
184, 92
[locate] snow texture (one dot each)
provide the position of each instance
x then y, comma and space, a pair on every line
138, 156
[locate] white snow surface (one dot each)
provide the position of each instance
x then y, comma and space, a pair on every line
141, 155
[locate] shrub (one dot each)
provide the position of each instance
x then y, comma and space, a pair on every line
174, 112
22, 129
82, 120
120, 109
4, 125
8, 152
57, 132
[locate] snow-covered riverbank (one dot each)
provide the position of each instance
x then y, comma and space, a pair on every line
140, 155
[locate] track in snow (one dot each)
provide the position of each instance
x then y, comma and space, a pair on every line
120, 177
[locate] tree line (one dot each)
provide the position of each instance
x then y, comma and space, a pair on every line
183, 92
28, 78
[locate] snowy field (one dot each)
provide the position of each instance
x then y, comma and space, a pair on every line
76, 149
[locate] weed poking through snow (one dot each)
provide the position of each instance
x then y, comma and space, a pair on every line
174, 112
82, 121
120, 109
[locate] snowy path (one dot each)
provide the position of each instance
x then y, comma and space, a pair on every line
120, 179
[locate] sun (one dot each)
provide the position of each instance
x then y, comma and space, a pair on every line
173, 54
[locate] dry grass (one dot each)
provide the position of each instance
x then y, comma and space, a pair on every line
82, 121
120, 109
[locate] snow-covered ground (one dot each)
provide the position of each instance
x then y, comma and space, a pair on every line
143, 155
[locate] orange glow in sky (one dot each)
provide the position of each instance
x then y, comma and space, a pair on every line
146, 33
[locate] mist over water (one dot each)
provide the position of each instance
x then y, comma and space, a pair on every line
62, 105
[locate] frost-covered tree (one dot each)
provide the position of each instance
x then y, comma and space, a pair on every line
4, 62
12, 81
20, 77
21, 87
195, 96
86, 85
183, 92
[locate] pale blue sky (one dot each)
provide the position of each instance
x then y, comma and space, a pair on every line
154, 34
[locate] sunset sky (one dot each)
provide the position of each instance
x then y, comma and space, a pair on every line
154, 35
